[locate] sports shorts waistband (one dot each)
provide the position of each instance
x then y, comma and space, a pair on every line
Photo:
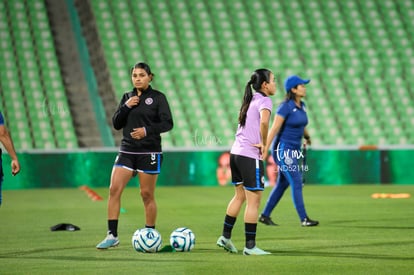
139, 153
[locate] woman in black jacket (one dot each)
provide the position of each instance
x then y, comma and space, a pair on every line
143, 114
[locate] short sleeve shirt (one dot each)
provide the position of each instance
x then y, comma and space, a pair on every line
295, 122
249, 135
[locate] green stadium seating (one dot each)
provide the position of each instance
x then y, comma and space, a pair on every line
358, 54
354, 52
35, 104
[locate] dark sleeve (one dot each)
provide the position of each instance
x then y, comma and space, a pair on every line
119, 119
165, 123
283, 110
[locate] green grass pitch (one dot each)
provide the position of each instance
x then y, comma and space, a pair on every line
357, 234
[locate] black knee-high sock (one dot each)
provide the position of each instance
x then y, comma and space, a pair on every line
228, 226
250, 232
113, 227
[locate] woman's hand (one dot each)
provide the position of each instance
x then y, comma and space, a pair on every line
308, 141
132, 101
262, 148
138, 133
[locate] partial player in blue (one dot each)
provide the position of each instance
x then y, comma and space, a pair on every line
289, 127
7, 142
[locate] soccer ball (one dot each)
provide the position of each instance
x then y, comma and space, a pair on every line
146, 240
182, 239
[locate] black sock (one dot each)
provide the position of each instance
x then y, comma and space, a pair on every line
228, 226
113, 227
250, 232
150, 226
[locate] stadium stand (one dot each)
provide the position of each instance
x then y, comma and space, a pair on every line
33, 95
359, 55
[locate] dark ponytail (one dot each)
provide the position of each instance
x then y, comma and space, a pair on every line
256, 80
290, 95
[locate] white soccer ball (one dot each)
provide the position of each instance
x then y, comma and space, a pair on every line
182, 239
146, 240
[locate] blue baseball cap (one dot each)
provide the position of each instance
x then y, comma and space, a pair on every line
293, 81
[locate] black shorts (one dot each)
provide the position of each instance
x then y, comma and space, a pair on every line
247, 171
146, 163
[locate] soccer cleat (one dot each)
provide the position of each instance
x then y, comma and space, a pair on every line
227, 244
308, 222
109, 241
266, 220
254, 251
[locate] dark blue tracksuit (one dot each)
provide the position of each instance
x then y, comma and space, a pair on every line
286, 152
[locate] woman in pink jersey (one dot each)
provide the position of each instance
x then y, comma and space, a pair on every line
246, 161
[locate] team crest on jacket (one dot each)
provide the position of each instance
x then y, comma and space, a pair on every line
149, 101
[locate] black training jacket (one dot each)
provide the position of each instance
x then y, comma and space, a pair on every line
152, 112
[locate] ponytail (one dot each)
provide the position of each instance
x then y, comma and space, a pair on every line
247, 98
256, 80
290, 95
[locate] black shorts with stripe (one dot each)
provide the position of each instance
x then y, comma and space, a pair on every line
149, 163
247, 171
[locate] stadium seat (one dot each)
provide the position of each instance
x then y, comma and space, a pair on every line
29, 61
358, 54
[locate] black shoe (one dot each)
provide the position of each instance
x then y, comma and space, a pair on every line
308, 222
266, 220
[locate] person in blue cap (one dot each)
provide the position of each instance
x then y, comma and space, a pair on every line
285, 139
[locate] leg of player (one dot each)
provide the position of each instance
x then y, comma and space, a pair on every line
274, 198
297, 197
304, 167
119, 179
147, 184
250, 223
233, 210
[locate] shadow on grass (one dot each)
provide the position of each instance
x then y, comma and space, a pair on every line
101, 255
106, 255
